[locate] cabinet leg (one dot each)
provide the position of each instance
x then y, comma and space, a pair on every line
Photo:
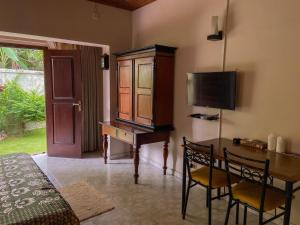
131, 152
105, 147
136, 163
166, 153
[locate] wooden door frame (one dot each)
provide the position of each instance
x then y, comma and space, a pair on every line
44, 49
28, 37
2, 44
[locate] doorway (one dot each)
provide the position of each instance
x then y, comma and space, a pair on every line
71, 69
22, 100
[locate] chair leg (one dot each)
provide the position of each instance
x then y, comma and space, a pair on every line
209, 206
237, 214
228, 211
186, 199
245, 215
261, 218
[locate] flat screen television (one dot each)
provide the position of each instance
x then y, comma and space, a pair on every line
212, 89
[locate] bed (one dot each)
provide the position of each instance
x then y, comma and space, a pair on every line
27, 197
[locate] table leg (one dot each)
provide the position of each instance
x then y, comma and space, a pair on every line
166, 153
136, 163
219, 189
288, 202
183, 183
105, 147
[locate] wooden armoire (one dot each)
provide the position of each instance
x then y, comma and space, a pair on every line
145, 86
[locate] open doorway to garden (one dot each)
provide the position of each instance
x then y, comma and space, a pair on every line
22, 101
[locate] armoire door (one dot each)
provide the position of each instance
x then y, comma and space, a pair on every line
63, 102
143, 90
125, 89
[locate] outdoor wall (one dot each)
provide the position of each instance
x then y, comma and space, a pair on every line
263, 45
28, 79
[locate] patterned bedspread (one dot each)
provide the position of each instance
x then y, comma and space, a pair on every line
27, 197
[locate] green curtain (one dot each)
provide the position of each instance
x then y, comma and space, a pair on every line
92, 78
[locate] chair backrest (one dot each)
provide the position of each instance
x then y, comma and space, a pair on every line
251, 170
198, 154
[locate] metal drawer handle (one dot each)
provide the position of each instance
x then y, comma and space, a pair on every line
79, 105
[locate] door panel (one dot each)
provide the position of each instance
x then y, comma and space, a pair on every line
63, 123
145, 105
63, 78
124, 106
63, 99
145, 76
144, 90
125, 89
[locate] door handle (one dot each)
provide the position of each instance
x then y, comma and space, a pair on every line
79, 105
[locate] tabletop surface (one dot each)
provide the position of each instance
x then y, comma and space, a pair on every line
282, 166
132, 128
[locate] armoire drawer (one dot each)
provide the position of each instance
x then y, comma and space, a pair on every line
111, 131
125, 136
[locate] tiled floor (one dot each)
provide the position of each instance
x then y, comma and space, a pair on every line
155, 201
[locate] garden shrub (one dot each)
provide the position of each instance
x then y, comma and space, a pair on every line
18, 107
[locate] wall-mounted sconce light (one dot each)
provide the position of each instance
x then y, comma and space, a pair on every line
105, 62
216, 35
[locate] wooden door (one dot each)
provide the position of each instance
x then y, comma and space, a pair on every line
125, 89
144, 72
63, 102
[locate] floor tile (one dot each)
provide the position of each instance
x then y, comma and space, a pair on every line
156, 200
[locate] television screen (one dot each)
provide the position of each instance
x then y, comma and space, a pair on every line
213, 89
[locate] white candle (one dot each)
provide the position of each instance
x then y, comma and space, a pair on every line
280, 146
272, 142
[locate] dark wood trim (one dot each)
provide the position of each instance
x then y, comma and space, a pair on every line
134, 56
105, 147
157, 48
127, 5
166, 153
136, 162
144, 55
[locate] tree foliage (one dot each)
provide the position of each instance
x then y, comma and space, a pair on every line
21, 58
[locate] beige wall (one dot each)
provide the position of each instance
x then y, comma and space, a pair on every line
183, 24
263, 44
72, 20
68, 19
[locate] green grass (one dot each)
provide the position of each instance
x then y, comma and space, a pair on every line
32, 142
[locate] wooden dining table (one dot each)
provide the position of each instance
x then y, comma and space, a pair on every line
284, 167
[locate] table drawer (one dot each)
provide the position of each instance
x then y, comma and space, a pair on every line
125, 136
111, 131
